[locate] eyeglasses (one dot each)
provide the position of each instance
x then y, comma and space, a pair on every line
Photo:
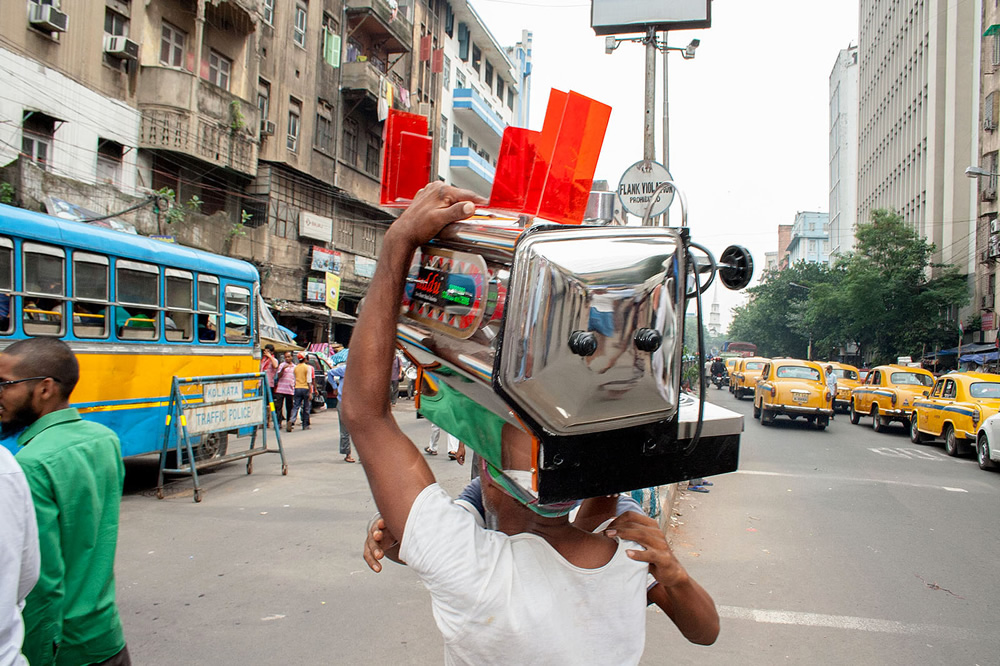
11, 382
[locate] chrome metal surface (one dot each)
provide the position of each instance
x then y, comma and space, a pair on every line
600, 208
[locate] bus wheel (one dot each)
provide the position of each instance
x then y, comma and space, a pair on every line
212, 447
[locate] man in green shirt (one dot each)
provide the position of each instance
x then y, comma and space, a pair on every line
75, 472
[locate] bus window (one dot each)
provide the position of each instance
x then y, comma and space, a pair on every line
237, 314
179, 316
6, 284
138, 301
90, 295
208, 308
44, 288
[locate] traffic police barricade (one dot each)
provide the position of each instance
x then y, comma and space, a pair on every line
206, 407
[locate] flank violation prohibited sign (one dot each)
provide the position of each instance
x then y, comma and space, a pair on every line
635, 189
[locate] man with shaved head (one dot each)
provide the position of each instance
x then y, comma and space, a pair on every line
75, 472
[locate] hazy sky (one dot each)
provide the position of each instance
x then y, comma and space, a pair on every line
749, 116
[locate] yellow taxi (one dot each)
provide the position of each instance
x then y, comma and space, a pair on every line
794, 388
956, 407
888, 395
745, 375
848, 379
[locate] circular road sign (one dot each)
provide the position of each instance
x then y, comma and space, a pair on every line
636, 187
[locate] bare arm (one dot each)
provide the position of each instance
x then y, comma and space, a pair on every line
678, 594
396, 471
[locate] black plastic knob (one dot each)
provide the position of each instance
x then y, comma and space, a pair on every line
648, 339
583, 343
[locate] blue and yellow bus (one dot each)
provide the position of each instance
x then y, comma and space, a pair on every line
135, 310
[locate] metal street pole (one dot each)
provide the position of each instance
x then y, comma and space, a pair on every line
666, 120
649, 125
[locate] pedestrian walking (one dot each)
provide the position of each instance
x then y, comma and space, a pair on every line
75, 472
394, 377
303, 374
456, 449
831, 387
336, 377
284, 389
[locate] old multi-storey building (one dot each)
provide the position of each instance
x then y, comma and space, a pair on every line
987, 224
843, 151
918, 86
810, 238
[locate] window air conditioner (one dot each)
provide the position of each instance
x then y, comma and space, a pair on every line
48, 18
995, 226
989, 194
267, 127
121, 47
424, 109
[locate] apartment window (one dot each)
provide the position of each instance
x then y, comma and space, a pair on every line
37, 133
373, 154
219, 69
115, 24
324, 128
996, 49
477, 57
457, 136
444, 132
485, 155
301, 14
473, 146
263, 98
269, 12
294, 119
459, 78
488, 75
510, 98
109, 161
350, 150
446, 74
500, 87
172, 40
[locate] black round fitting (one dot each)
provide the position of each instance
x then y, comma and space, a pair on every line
648, 339
583, 343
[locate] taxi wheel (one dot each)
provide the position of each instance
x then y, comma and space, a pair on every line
822, 423
983, 452
756, 411
766, 416
950, 441
877, 424
916, 436
855, 417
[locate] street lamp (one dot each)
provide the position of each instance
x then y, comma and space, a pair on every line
979, 172
809, 349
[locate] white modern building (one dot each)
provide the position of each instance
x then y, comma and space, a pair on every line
843, 151
482, 84
919, 73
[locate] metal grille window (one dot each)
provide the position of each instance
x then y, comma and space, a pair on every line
350, 151
301, 17
172, 42
294, 118
138, 288
996, 49
219, 69
373, 155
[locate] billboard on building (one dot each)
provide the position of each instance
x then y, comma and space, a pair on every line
613, 17
324, 260
315, 226
316, 290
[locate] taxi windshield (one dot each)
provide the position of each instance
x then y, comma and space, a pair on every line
844, 373
756, 365
910, 378
797, 372
985, 390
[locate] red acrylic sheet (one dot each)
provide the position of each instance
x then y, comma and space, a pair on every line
549, 173
405, 169
574, 160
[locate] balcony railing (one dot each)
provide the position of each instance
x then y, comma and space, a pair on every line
467, 103
394, 26
216, 126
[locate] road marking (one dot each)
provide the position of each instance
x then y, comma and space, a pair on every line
841, 622
906, 452
851, 479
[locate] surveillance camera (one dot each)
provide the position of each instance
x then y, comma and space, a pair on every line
610, 43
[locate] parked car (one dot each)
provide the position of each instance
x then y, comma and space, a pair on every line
744, 377
793, 388
988, 443
888, 395
955, 408
848, 379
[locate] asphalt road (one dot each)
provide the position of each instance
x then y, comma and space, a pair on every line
834, 547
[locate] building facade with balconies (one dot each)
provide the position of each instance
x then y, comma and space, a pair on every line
987, 222
482, 88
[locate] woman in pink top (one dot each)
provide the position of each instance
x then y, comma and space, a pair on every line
284, 388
